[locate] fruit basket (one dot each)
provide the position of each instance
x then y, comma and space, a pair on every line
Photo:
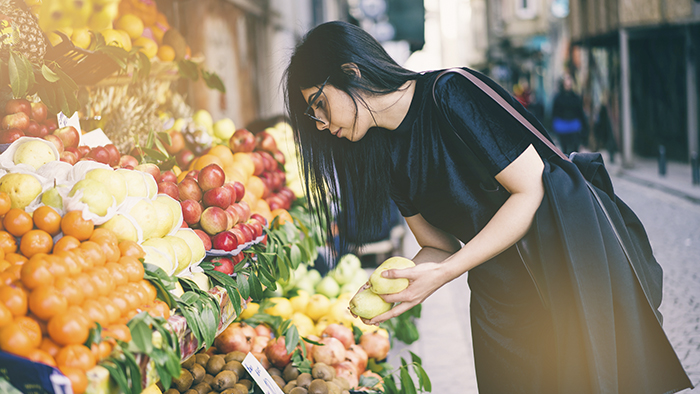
83, 66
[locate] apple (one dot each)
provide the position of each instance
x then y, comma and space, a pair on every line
33, 129
275, 202
256, 227
51, 124
70, 136
223, 264
206, 239
224, 241
10, 136
279, 157
260, 218
177, 142
84, 150
39, 111
264, 141
150, 168
224, 129
246, 211
217, 197
69, 157
189, 190
191, 211
194, 174
184, 157
231, 219
242, 140
56, 141
169, 188
268, 161
14, 106
114, 155
99, 154
258, 163
128, 160
168, 176
138, 153
214, 220
210, 177
247, 232
240, 190
240, 236
234, 215
237, 259
18, 120
231, 189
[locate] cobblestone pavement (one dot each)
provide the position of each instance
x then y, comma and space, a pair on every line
673, 226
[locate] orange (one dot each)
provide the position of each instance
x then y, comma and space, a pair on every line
131, 248
36, 273
15, 258
4, 264
109, 243
70, 261
132, 299
84, 282
131, 24
76, 356
117, 331
166, 53
40, 356
111, 311
101, 350
243, 162
14, 298
283, 215
49, 346
67, 242
95, 312
46, 302
78, 379
100, 233
224, 153
17, 222
118, 273
93, 252
104, 284
31, 327
5, 203
147, 46
73, 224
119, 302
7, 242
207, 159
68, 328
57, 266
47, 219
162, 309
255, 186
5, 315
35, 241
134, 268
8, 277
13, 339
70, 290
151, 291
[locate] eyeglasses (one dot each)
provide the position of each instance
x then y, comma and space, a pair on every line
309, 110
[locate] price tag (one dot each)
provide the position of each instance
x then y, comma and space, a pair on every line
64, 121
260, 375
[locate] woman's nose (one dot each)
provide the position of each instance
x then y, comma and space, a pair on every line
321, 124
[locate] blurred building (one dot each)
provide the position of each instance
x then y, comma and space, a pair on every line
641, 56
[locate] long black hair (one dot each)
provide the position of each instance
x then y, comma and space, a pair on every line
356, 174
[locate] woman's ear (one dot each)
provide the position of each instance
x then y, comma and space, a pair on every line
351, 69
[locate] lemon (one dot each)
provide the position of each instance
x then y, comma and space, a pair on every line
300, 301
131, 24
126, 40
251, 309
282, 308
318, 306
82, 38
113, 37
148, 46
166, 53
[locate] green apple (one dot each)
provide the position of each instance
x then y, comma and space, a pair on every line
35, 153
94, 194
136, 185
146, 216
114, 180
202, 117
165, 219
182, 252
163, 246
22, 188
368, 305
328, 287
224, 129
381, 285
156, 257
195, 243
122, 227
313, 276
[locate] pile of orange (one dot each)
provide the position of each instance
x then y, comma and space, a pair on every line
51, 295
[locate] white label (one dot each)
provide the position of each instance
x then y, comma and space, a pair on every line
260, 375
64, 121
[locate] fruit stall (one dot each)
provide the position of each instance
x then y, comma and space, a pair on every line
146, 246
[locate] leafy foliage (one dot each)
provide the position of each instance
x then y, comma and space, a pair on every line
403, 326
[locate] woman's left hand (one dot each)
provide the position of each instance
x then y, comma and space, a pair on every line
423, 280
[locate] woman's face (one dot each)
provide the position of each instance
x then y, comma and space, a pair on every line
336, 111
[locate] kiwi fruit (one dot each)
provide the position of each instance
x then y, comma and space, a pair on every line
201, 359
341, 382
236, 367
172, 391
298, 390
247, 383
274, 372
191, 391
225, 380
187, 364
235, 355
215, 364
318, 386
290, 372
304, 380
202, 388
229, 391
198, 373
208, 379
289, 386
333, 388
278, 379
184, 381
322, 371
242, 389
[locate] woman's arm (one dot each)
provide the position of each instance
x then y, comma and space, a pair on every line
523, 180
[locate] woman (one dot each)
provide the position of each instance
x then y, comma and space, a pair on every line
368, 130
569, 121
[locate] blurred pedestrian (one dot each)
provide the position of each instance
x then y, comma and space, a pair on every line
602, 130
563, 312
569, 122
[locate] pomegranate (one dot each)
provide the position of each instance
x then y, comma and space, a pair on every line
376, 345
247, 330
232, 338
376, 376
262, 329
259, 343
347, 370
276, 352
331, 353
310, 346
341, 333
357, 355
263, 359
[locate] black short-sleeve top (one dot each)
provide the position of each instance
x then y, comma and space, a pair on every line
429, 172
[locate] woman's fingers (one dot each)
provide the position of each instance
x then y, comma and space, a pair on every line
399, 273
393, 312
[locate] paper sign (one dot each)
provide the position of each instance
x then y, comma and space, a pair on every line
95, 138
64, 121
260, 375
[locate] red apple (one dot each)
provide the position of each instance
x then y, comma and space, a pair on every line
275, 202
83, 150
225, 241
14, 106
206, 239
51, 124
69, 157
70, 136
177, 142
246, 211
260, 218
169, 188
77, 153
18, 120
213, 220
268, 161
264, 141
184, 158
231, 219
258, 163
242, 140
114, 155
194, 174
222, 264
240, 190
168, 176
150, 168
39, 112
189, 190
256, 227
217, 197
247, 232
128, 160
138, 153
55, 141
237, 259
34, 129
191, 211
234, 215
211, 176
240, 235
99, 154
279, 157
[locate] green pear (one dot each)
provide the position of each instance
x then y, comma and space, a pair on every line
136, 185
52, 198
182, 252
113, 180
95, 195
35, 153
381, 285
368, 305
122, 227
195, 243
328, 287
22, 188
146, 216
165, 219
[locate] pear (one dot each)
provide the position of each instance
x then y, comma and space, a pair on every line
94, 194
136, 185
164, 247
381, 285
34, 153
22, 188
182, 252
367, 304
52, 198
157, 258
122, 227
113, 180
195, 243
146, 216
202, 280
165, 219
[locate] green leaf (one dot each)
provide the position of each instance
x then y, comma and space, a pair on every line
164, 136
48, 74
243, 286
66, 79
390, 386
213, 81
144, 65
150, 138
155, 154
19, 78
141, 335
211, 323
291, 338
256, 290
188, 69
357, 333
119, 55
283, 265
407, 385
117, 374
295, 256
161, 147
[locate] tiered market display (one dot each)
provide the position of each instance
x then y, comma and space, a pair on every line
147, 247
